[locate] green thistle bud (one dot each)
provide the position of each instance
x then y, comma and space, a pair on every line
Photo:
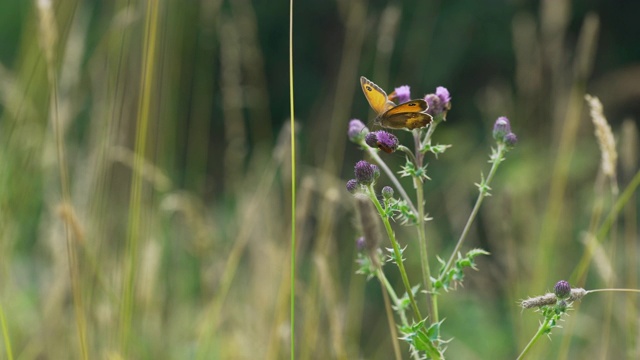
387, 192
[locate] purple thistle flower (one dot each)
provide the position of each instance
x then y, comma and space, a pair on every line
387, 142
357, 130
352, 186
443, 94
439, 104
365, 172
371, 139
562, 289
501, 128
361, 243
403, 94
434, 103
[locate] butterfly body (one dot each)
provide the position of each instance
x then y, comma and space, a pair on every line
409, 115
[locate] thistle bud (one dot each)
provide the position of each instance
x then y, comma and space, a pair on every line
562, 289
510, 140
352, 186
357, 130
365, 172
501, 128
387, 192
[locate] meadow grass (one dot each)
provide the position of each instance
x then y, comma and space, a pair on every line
146, 196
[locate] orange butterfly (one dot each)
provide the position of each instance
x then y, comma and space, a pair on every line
409, 115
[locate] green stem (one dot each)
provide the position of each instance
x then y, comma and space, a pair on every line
374, 154
483, 193
422, 239
424, 255
392, 293
541, 330
407, 151
293, 189
427, 136
396, 251
396, 301
392, 324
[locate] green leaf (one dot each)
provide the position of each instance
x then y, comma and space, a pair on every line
434, 149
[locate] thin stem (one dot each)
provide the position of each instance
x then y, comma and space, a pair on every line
407, 151
483, 193
422, 239
374, 154
427, 136
396, 301
293, 186
48, 45
541, 330
606, 225
396, 251
390, 320
392, 293
134, 226
614, 290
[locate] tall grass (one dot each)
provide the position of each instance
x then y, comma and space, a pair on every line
145, 188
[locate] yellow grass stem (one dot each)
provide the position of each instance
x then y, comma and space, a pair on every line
135, 199
581, 269
49, 40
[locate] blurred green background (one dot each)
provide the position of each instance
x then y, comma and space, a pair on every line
145, 175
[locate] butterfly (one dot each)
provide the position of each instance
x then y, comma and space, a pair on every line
409, 115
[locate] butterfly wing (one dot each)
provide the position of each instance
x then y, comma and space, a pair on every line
376, 97
409, 115
408, 107
407, 120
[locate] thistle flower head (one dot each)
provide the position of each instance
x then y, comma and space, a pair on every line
439, 104
365, 172
371, 139
443, 94
357, 130
387, 142
434, 103
402, 94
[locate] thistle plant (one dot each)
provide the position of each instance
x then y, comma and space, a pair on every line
417, 314
554, 306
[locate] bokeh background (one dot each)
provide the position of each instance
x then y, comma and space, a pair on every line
145, 175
